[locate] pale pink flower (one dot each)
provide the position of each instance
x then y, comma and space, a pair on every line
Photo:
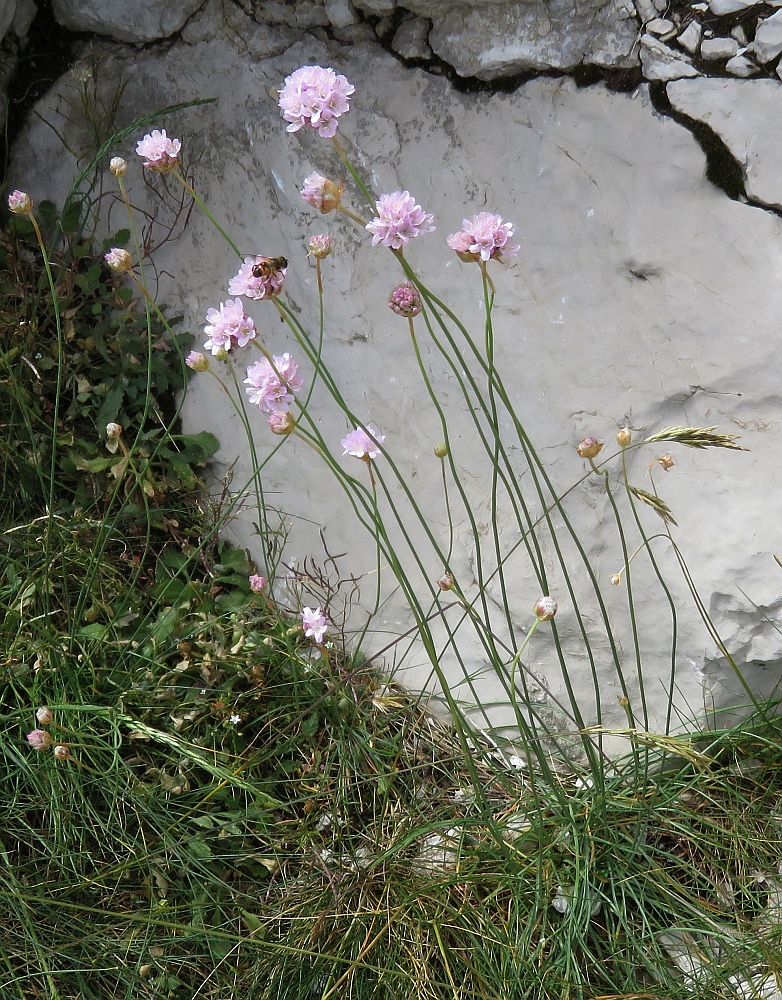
197, 361
119, 259
484, 237
315, 623
228, 327
160, 153
257, 583
118, 166
20, 203
256, 280
405, 300
271, 387
321, 193
39, 739
321, 246
281, 422
545, 608
359, 443
398, 220
315, 96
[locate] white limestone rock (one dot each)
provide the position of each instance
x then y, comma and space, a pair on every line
378, 8
720, 7
641, 295
719, 48
660, 26
660, 62
411, 39
767, 43
140, 21
504, 37
341, 13
742, 67
690, 38
298, 14
744, 116
16, 16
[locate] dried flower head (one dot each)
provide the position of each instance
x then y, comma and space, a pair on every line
545, 608
281, 422
228, 327
20, 203
315, 623
616, 579
321, 193
113, 431
624, 438
256, 280
119, 259
446, 582
39, 739
405, 300
320, 246
484, 237
118, 166
590, 447
398, 220
257, 583
316, 97
197, 361
667, 462
160, 153
62, 751
45, 716
359, 443
271, 386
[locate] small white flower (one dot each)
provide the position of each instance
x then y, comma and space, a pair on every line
235, 719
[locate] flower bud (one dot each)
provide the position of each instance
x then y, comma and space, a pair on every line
39, 739
590, 447
545, 608
221, 354
62, 751
321, 193
624, 437
616, 579
405, 300
197, 361
113, 431
257, 583
321, 246
119, 260
44, 716
118, 166
441, 449
20, 203
446, 582
281, 423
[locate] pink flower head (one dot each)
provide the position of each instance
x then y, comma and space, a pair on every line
281, 422
160, 153
20, 203
484, 237
405, 300
359, 443
257, 583
272, 386
39, 739
119, 259
321, 193
257, 279
398, 220
315, 623
321, 246
315, 96
228, 327
197, 361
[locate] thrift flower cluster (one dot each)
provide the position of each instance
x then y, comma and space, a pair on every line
398, 220
316, 97
484, 237
160, 153
272, 386
228, 327
256, 281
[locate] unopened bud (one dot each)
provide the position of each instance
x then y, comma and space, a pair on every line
405, 300
44, 716
62, 752
590, 447
39, 739
119, 259
624, 437
441, 449
118, 166
221, 355
446, 582
281, 423
113, 431
545, 608
321, 246
321, 193
197, 361
20, 203
616, 579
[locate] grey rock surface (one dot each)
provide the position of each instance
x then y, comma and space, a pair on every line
719, 48
661, 62
742, 113
641, 296
690, 38
411, 39
742, 67
732, 6
139, 21
767, 43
